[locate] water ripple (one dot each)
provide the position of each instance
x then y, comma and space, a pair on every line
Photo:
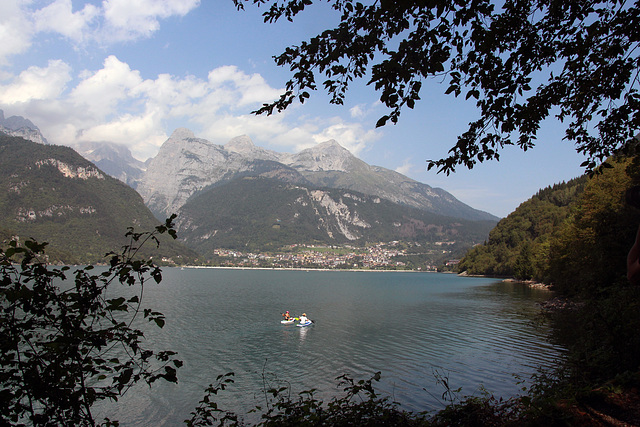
415, 328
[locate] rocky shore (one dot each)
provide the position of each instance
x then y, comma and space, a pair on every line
530, 283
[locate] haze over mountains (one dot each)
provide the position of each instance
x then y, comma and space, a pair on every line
19, 126
239, 195
114, 159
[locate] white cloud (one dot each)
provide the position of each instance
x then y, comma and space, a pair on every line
16, 30
101, 92
126, 19
406, 167
115, 103
145, 129
357, 111
352, 136
361, 111
36, 83
59, 17
221, 128
113, 21
253, 87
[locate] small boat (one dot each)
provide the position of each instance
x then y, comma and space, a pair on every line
303, 324
287, 322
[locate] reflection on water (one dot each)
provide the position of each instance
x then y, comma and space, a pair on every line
303, 333
410, 326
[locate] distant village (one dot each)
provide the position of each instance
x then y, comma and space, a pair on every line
382, 256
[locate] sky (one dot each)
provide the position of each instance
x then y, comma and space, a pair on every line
131, 72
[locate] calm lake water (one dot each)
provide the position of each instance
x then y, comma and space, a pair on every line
476, 332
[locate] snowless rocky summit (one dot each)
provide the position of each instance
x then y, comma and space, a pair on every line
21, 127
186, 165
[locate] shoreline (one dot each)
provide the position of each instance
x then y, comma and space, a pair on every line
355, 270
529, 283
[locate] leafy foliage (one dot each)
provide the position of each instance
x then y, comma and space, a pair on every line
522, 63
575, 236
64, 348
589, 252
359, 405
601, 336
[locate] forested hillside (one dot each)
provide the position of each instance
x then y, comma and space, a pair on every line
588, 253
573, 235
261, 214
519, 245
52, 194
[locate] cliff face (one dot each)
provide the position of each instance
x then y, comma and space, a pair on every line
327, 156
185, 165
115, 160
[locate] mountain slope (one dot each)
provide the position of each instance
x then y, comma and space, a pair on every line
183, 166
53, 194
264, 214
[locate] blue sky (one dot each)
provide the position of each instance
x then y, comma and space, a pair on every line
131, 72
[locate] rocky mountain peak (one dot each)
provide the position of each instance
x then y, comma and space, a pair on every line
16, 122
94, 151
181, 133
326, 156
114, 159
183, 166
243, 146
240, 144
332, 143
21, 127
187, 165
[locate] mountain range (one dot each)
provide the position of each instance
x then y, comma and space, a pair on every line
114, 159
235, 195
186, 165
257, 214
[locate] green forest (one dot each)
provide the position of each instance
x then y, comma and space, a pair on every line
574, 236
80, 219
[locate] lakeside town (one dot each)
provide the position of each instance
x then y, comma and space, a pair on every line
381, 256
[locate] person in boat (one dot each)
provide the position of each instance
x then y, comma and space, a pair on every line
286, 316
303, 318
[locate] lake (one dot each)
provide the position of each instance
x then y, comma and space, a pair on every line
413, 327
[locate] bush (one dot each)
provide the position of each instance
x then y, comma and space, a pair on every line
63, 350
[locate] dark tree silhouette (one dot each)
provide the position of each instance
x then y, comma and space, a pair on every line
522, 61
